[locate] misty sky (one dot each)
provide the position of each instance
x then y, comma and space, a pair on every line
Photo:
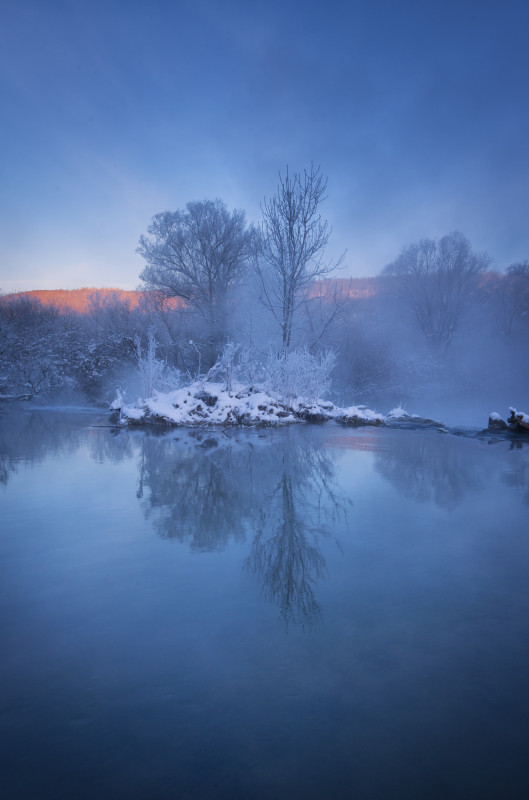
112, 111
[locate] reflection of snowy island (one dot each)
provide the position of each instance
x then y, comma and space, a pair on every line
211, 404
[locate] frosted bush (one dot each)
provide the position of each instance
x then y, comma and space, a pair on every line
236, 363
299, 375
155, 374
249, 368
225, 366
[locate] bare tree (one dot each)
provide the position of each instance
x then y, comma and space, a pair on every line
198, 254
514, 294
437, 279
293, 238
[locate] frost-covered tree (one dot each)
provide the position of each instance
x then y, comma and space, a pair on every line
437, 280
514, 293
293, 239
29, 341
198, 254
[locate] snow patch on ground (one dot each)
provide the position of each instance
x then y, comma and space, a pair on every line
398, 413
358, 415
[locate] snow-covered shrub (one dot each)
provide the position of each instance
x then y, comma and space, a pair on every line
226, 364
236, 364
249, 367
155, 374
299, 375
224, 368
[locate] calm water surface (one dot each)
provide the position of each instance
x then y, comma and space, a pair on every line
314, 612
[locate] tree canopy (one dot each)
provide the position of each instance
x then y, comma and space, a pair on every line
197, 254
437, 279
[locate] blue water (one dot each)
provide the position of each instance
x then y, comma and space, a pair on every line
315, 612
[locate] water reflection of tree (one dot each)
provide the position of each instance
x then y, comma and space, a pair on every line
279, 492
285, 551
113, 446
286, 557
430, 468
197, 493
28, 437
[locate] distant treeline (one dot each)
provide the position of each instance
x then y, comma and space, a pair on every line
82, 344
87, 299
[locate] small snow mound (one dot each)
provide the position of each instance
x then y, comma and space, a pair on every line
398, 413
132, 414
359, 415
496, 422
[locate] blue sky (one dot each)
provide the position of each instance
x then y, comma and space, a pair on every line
113, 111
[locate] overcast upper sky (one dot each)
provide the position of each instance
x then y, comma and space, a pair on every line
114, 110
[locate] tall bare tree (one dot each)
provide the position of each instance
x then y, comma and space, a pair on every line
293, 239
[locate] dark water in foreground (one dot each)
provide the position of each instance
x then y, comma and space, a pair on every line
314, 612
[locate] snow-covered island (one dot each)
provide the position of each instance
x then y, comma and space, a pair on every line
208, 403
238, 391
282, 391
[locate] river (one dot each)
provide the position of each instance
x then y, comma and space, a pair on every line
312, 612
